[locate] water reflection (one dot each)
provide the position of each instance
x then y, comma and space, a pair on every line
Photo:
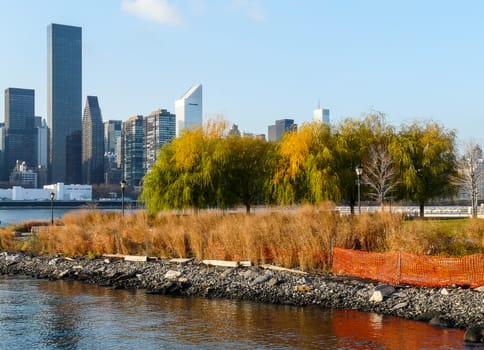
66, 315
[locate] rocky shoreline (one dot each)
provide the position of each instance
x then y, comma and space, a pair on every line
443, 307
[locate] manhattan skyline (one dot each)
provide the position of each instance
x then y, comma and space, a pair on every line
260, 61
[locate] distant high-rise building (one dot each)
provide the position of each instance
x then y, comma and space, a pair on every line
41, 141
119, 147
3, 168
321, 115
92, 143
22, 176
159, 129
132, 150
19, 127
64, 101
188, 110
234, 130
112, 151
281, 126
112, 130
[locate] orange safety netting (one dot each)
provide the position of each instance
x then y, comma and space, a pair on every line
401, 267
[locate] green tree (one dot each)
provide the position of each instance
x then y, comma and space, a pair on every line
425, 156
246, 172
187, 172
202, 168
352, 141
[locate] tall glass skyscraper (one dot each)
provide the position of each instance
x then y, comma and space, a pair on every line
276, 131
92, 143
132, 150
112, 131
159, 129
19, 128
321, 115
188, 109
64, 102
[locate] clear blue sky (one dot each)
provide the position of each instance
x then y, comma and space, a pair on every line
262, 60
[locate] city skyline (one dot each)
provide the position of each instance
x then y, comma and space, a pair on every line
262, 61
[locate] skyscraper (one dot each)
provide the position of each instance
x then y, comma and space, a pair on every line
321, 115
159, 128
92, 143
41, 140
19, 128
112, 157
132, 150
188, 109
64, 101
276, 131
3, 168
112, 131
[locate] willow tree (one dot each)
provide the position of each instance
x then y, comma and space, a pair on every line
304, 166
246, 171
352, 141
186, 174
425, 157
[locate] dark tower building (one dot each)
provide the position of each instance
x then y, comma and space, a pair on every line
132, 150
19, 128
64, 102
92, 143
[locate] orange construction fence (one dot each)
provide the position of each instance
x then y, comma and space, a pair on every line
405, 268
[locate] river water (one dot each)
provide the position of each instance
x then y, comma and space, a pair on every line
14, 216
17, 215
39, 314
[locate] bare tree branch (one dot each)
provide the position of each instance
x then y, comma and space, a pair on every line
380, 173
470, 176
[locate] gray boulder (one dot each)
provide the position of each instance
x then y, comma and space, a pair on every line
381, 292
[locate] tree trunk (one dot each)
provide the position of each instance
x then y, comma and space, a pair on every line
422, 213
247, 208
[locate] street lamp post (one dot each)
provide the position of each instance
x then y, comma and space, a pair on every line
123, 187
52, 195
359, 172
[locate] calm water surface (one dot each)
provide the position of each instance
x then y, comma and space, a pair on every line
37, 314
15, 216
18, 215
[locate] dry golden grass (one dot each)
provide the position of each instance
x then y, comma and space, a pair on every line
300, 238
440, 237
7, 239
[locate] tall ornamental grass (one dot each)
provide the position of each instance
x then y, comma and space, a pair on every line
292, 238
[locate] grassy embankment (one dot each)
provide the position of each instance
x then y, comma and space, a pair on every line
289, 239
